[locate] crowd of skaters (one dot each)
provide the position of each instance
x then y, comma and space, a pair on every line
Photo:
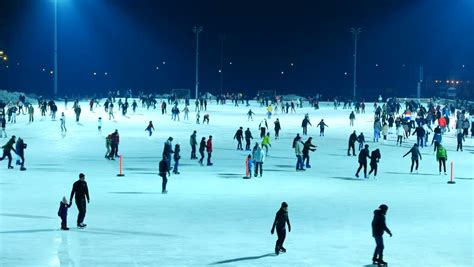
416, 120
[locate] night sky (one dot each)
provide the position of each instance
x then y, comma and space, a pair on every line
130, 39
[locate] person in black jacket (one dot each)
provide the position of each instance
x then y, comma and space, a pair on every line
81, 192
163, 171
202, 148
7, 148
277, 128
374, 160
420, 135
363, 155
20, 151
62, 212
281, 219
239, 136
415, 154
176, 157
248, 136
321, 125
193, 142
352, 140
378, 228
308, 146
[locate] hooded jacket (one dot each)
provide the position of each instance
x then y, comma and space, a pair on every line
378, 224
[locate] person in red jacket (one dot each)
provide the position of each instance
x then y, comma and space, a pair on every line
209, 150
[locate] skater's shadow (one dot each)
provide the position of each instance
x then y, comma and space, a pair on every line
27, 231
244, 259
25, 216
346, 178
135, 193
229, 175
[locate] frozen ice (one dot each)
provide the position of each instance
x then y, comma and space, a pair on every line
211, 216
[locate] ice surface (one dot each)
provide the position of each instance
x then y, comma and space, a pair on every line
213, 216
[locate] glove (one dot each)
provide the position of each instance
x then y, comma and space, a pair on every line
390, 234
272, 231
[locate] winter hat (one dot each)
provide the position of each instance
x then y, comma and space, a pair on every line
383, 207
64, 200
284, 205
81, 175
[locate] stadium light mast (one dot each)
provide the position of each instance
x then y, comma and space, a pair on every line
196, 31
355, 32
222, 38
55, 74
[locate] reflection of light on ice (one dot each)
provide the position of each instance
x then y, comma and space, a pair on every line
54, 261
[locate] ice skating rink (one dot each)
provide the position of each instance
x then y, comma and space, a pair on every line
211, 216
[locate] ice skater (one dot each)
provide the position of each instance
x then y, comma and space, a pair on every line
150, 128
99, 125
441, 157
3, 122
321, 125
193, 143
308, 146
281, 220
63, 123
415, 155
298, 145
81, 193
374, 161
239, 136
176, 157
259, 158
202, 147
363, 155
304, 124
209, 151
277, 128
163, 171
266, 143
248, 137
20, 151
378, 228
351, 145
352, 118
62, 212
7, 148
263, 126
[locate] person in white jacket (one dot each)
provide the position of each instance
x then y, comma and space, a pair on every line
259, 157
299, 154
400, 133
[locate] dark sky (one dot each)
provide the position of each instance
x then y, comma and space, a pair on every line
129, 39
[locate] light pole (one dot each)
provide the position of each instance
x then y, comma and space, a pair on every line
55, 47
197, 30
355, 32
221, 72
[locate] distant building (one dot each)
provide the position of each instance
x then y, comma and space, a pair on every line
455, 85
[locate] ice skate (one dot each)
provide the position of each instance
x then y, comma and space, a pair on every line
10, 167
22, 169
374, 260
282, 249
380, 262
164, 192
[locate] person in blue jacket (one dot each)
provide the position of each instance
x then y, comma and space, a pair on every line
62, 212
